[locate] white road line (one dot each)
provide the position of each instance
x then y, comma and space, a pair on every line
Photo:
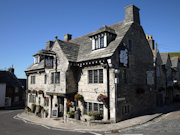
167, 114
95, 133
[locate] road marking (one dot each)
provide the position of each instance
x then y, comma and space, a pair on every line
95, 133
167, 114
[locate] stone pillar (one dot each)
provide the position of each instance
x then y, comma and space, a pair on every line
50, 107
65, 109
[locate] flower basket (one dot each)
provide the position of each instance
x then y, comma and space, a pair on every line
70, 114
161, 89
78, 97
33, 91
94, 114
69, 103
140, 91
102, 98
40, 92
28, 91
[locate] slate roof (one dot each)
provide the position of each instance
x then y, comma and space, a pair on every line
104, 28
175, 61
36, 66
80, 49
70, 50
164, 57
85, 49
9, 78
44, 52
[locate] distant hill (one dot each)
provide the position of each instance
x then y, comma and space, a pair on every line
175, 54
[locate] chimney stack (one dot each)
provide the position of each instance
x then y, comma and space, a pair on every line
11, 69
132, 14
67, 37
151, 41
49, 45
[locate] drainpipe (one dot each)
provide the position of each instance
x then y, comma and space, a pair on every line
108, 91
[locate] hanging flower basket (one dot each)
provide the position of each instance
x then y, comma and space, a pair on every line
102, 98
140, 91
33, 91
28, 91
78, 97
40, 92
69, 104
161, 89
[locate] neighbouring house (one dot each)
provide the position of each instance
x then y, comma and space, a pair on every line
160, 76
11, 90
110, 69
175, 73
167, 71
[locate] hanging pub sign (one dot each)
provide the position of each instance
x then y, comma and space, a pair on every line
150, 77
123, 56
48, 63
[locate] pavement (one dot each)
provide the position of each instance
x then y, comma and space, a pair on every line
85, 126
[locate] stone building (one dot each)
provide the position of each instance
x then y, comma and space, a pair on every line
11, 90
112, 61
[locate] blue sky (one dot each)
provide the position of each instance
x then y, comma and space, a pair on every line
26, 25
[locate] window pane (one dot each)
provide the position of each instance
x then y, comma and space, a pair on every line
95, 107
85, 108
96, 43
95, 76
90, 107
57, 77
101, 42
101, 76
52, 77
101, 110
90, 76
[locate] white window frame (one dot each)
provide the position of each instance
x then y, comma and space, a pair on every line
36, 59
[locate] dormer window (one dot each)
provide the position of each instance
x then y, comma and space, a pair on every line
36, 59
102, 37
99, 42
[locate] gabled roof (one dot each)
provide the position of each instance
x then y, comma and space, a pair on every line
175, 61
104, 28
70, 50
164, 57
157, 54
85, 49
9, 78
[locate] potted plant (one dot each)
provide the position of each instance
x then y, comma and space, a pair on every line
140, 90
28, 91
38, 108
78, 97
46, 98
161, 89
102, 98
27, 109
33, 107
70, 114
40, 92
94, 115
33, 91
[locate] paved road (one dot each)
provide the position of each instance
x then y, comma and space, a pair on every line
11, 125
168, 124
